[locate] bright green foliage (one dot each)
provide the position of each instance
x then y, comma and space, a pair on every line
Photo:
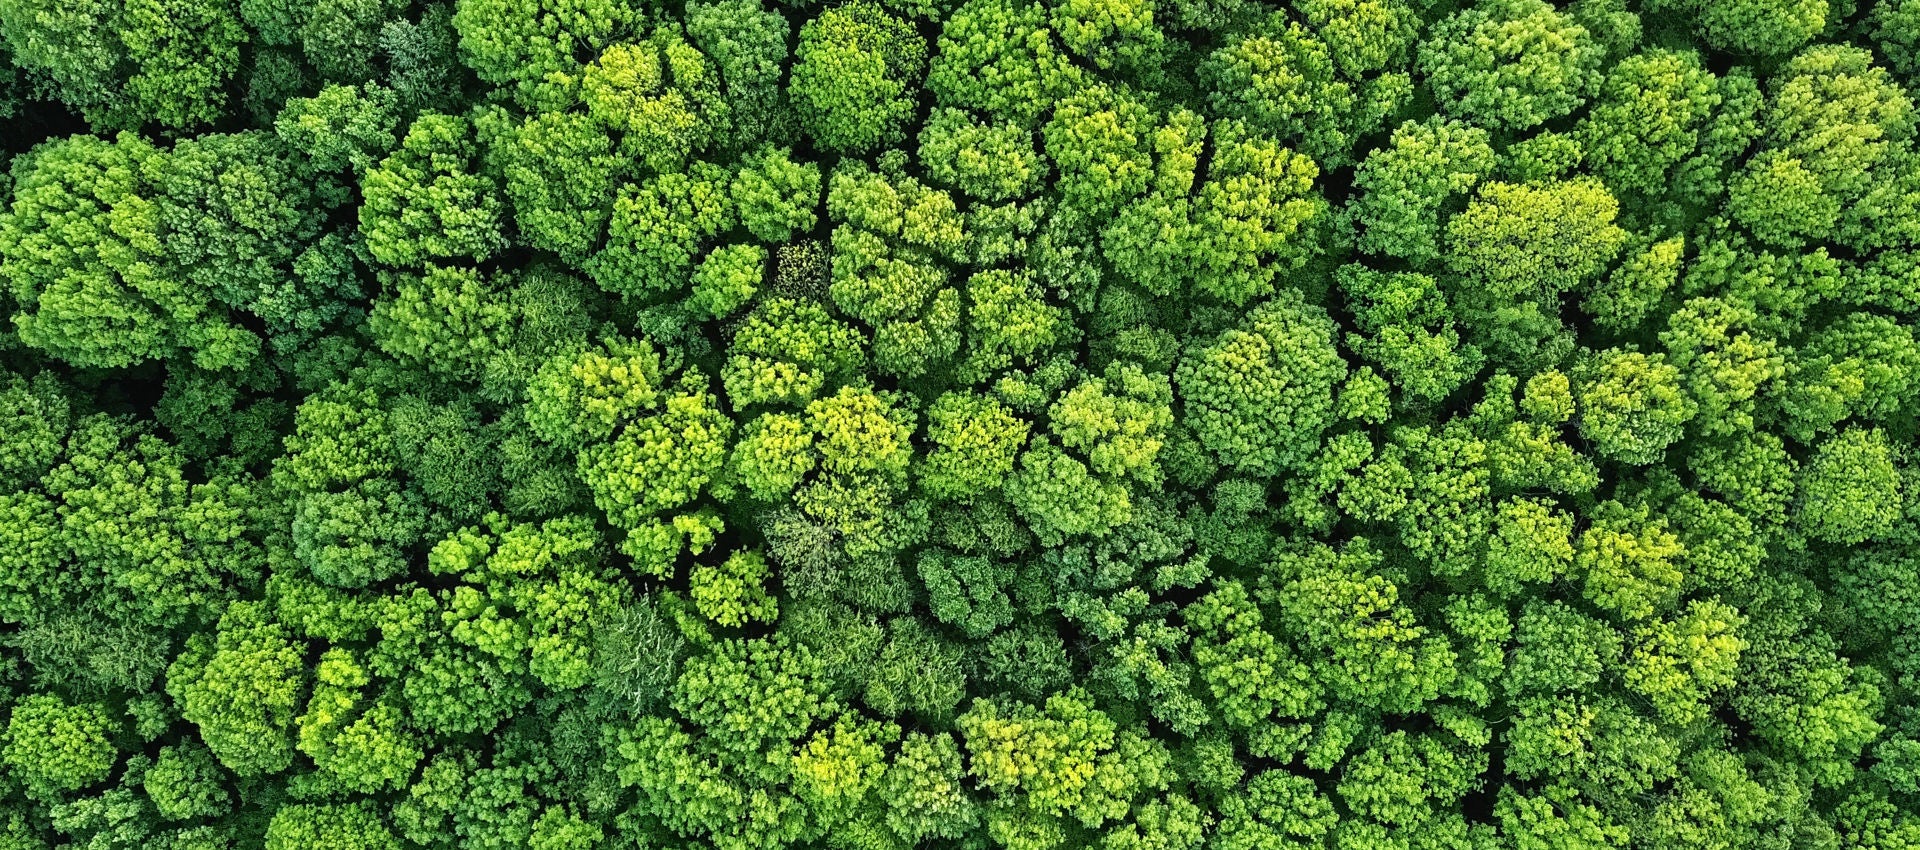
54, 747
1532, 544
71, 48
1635, 288
838, 771
886, 269
971, 424
1252, 218
366, 748
34, 416
658, 228
774, 453
1276, 808
733, 592
163, 549
776, 196
1283, 82
84, 253
975, 441
1405, 327
661, 461
750, 703
854, 76
1863, 365
1009, 320
992, 162
583, 398
1757, 29
1118, 422
532, 46
861, 434
1045, 759
1111, 35
1404, 187
449, 319
1365, 646
559, 174
660, 97
1510, 64
353, 826
1729, 363
234, 211
1852, 488
1896, 29
999, 57
1558, 649
185, 783
918, 671
1564, 231
1258, 396
545, 579
1099, 141
1833, 118
1404, 779
1516, 250
785, 351
1647, 118
1632, 406
186, 54
727, 279
240, 687
1678, 665
425, 203
924, 792
1627, 557
1806, 704
1251, 675
747, 44
1060, 497
341, 126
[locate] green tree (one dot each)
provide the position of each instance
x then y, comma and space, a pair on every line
240, 686
1516, 250
661, 98
855, 72
975, 440
658, 228
1648, 117
1510, 65
1403, 190
559, 171
1259, 396
53, 746
1632, 405
1852, 489
533, 45
776, 196
83, 250
1283, 82
1000, 57
425, 202
1833, 118
1254, 217
351, 826
990, 161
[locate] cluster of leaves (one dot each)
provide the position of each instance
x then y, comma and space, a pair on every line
1024, 424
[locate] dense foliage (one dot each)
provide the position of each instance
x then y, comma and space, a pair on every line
1024, 424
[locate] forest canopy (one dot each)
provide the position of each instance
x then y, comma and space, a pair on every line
971, 424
